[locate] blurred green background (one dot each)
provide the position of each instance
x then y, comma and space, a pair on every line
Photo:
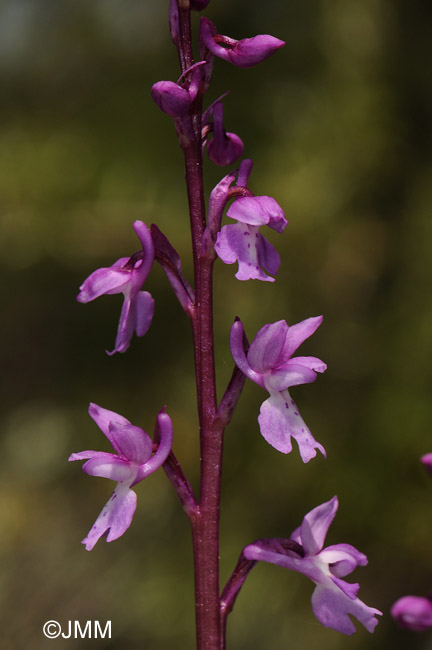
338, 124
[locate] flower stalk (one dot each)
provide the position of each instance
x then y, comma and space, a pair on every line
205, 525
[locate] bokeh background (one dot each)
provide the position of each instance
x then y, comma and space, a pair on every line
338, 124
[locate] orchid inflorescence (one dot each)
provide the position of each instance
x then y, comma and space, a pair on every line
268, 361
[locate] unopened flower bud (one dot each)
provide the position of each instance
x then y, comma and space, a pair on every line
224, 148
244, 53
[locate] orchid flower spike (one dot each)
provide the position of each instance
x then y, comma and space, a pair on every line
244, 53
132, 462
126, 276
333, 599
243, 243
269, 363
413, 613
223, 148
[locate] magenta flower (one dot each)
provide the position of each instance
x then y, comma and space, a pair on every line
413, 613
333, 599
223, 148
244, 53
243, 243
132, 462
269, 364
126, 276
175, 99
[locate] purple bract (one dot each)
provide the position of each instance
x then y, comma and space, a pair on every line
243, 243
269, 363
132, 462
244, 53
333, 599
126, 276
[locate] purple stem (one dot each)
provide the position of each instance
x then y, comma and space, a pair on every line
231, 591
205, 525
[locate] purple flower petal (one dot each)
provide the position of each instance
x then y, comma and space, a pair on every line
163, 450
171, 98
238, 353
224, 148
240, 243
244, 53
332, 607
141, 271
279, 420
115, 518
103, 418
266, 348
309, 362
350, 589
136, 316
343, 559
268, 257
413, 612
258, 211
107, 280
315, 525
298, 333
144, 310
114, 468
134, 444
292, 374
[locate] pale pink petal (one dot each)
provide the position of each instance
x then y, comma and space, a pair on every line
114, 468
298, 333
316, 524
332, 608
279, 420
133, 442
291, 374
115, 518
103, 281
265, 349
144, 306
103, 417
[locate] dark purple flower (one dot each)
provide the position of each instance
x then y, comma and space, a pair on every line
269, 363
244, 53
223, 148
132, 462
413, 613
174, 99
126, 276
243, 243
333, 599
